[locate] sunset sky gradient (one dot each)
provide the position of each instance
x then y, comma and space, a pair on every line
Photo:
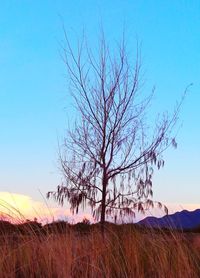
34, 92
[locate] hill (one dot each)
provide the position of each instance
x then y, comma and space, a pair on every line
183, 220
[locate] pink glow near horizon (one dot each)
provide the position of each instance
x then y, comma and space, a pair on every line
17, 207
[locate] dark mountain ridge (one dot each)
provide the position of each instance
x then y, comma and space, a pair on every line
183, 220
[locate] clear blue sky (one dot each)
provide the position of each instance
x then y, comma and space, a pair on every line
34, 103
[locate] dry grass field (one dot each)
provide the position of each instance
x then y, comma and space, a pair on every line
123, 252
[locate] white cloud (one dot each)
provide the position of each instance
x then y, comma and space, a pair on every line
19, 207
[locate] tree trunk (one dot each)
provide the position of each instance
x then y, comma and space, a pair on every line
103, 204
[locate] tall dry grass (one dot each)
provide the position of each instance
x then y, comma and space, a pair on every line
124, 252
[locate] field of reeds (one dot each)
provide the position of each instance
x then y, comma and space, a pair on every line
81, 251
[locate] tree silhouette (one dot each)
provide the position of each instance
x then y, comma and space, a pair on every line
109, 154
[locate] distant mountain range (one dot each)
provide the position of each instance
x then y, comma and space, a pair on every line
184, 220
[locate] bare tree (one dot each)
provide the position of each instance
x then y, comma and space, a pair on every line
110, 153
